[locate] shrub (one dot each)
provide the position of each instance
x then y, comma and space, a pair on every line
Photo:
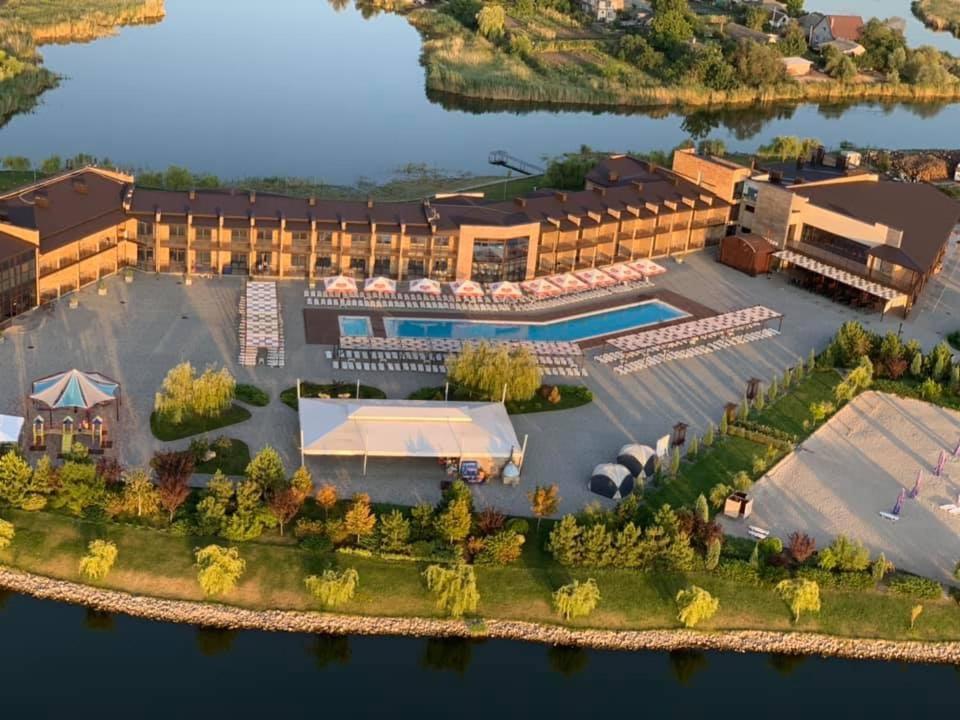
930, 390
333, 588
7, 533
489, 521
845, 555
251, 395
741, 481
578, 599
519, 526
101, 554
915, 587
800, 546
501, 548
719, 494
739, 571
695, 605
770, 546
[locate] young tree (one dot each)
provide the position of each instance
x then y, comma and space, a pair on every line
453, 523
675, 462
915, 612
173, 492
800, 595
709, 436
800, 546
285, 504
266, 469
80, 488
916, 366
880, 567
723, 424
712, 557
250, 515
359, 520
455, 588
140, 496
701, 510
327, 499
333, 588
491, 21
596, 546
695, 605
394, 532
578, 599
486, 368
693, 448
101, 554
564, 542
544, 502
719, 494
219, 568
845, 555
501, 548
15, 477
7, 533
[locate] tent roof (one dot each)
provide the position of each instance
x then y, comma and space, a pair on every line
10, 428
406, 428
74, 389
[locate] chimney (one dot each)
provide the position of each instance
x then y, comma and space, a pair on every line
41, 199
253, 196
369, 202
80, 186
613, 176
600, 191
312, 201
638, 185
521, 202
193, 194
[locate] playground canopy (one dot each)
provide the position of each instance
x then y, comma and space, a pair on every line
74, 389
640, 460
10, 428
611, 480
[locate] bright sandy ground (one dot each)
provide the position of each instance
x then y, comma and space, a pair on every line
853, 467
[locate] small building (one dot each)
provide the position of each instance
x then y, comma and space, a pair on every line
739, 32
747, 252
846, 47
797, 66
820, 28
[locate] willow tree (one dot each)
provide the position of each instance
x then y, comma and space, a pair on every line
220, 569
695, 605
578, 599
455, 588
7, 533
101, 554
486, 369
333, 588
183, 394
800, 595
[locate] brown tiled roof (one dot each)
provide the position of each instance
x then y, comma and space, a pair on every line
924, 214
619, 170
11, 245
846, 27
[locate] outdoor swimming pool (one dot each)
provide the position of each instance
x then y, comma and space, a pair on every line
581, 327
355, 326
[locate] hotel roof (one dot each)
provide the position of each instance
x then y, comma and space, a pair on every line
11, 245
924, 214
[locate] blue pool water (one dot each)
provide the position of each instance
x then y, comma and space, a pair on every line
652, 312
355, 326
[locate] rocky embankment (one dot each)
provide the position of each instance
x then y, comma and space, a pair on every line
235, 618
915, 165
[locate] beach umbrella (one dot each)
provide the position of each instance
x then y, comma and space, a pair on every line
568, 282
380, 284
941, 461
622, 272
956, 450
915, 491
506, 291
466, 288
595, 278
540, 288
898, 506
425, 285
340, 284
74, 389
647, 267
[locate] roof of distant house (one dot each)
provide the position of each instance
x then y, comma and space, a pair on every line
924, 214
846, 27
616, 170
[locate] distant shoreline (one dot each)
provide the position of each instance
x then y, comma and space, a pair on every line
227, 617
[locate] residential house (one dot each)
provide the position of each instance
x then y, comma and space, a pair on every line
820, 28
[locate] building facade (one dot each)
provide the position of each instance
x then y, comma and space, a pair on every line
84, 225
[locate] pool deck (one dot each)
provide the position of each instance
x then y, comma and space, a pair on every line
321, 325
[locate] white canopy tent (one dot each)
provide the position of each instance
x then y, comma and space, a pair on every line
425, 285
10, 428
408, 428
379, 284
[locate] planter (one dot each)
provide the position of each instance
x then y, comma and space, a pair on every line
188, 280
101, 290
74, 303
128, 278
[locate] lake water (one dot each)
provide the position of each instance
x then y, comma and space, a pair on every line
294, 87
64, 661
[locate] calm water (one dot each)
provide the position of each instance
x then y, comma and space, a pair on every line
293, 87
63, 661
581, 328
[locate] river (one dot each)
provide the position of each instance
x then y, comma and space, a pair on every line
295, 87
65, 661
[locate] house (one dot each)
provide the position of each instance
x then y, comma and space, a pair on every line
845, 47
820, 28
797, 66
742, 32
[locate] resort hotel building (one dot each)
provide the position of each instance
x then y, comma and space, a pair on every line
848, 226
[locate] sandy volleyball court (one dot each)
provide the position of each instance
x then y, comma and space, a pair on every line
853, 467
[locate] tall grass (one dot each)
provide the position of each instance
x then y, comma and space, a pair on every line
941, 15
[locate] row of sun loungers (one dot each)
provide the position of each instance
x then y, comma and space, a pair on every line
434, 367
435, 362
659, 357
451, 345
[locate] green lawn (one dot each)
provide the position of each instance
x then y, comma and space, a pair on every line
163, 430
251, 395
311, 390
790, 411
230, 461
571, 396
156, 562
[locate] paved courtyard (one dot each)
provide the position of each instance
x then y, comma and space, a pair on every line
852, 468
138, 331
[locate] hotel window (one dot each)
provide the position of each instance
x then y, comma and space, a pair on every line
324, 262
359, 265
300, 236
360, 239
204, 233
178, 256
325, 237
381, 266
495, 260
384, 239
414, 269
144, 228
239, 235
203, 258
178, 232
298, 261
266, 235
440, 266
441, 241
418, 240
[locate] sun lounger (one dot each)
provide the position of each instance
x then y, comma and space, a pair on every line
889, 516
758, 532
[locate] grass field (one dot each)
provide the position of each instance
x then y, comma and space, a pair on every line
230, 461
166, 431
157, 563
571, 396
311, 390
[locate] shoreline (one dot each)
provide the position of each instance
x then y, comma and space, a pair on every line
933, 21
227, 617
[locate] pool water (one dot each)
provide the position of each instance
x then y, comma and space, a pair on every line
355, 326
583, 327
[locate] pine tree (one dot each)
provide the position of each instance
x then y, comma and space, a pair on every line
744, 411
628, 550
453, 523
597, 545
774, 389
709, 436
693, 448
916, 365
675, 462
712, 556
723, 424
701, 509
955, 376
394, 532
564, 542
812, 361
